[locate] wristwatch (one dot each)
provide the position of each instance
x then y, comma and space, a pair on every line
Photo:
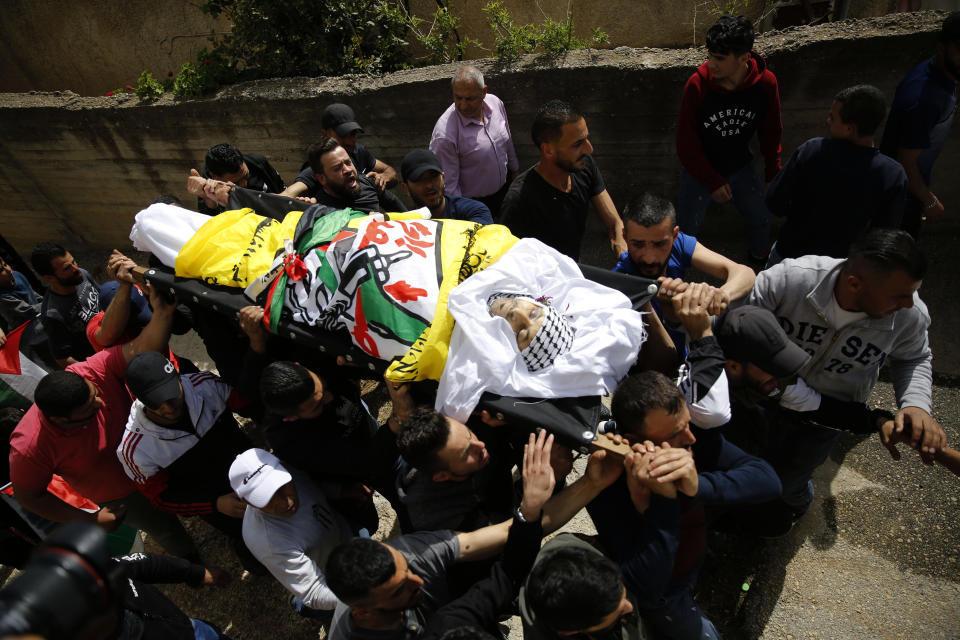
518, 514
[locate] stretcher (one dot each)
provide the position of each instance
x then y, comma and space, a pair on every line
573, 420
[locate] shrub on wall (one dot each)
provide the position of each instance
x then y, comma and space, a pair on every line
273, 38
284, 38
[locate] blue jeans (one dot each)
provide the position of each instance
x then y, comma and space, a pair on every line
795, 449
748, 196
203, 630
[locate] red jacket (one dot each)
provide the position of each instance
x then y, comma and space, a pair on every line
716, 124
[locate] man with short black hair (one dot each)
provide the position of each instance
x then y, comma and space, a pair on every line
852, 316
225, 163
74, 299
321, 426
71, 300
73, 431
919, 123
832, 189
730, 97
657, 249
550, 200
389, 589
472, 139
574, 589
339, 122
683, 464
448, 481
340, 186
424, 180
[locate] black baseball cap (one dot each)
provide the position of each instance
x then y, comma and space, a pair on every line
751, 334
417, 162
153, 379
340, 118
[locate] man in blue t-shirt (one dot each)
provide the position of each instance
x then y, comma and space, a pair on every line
423, 182
920, 120
657, 249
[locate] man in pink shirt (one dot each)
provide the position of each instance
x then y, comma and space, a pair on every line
73, 430
473, 142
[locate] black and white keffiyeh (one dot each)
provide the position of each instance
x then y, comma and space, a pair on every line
553, 340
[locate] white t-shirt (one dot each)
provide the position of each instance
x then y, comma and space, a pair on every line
839, 317
295, 549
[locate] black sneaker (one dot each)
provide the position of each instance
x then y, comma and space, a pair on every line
779, 519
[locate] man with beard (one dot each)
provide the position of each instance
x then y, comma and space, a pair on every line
549, 201
73, 299
657, 249
340, 186
851, 316
920, 120
423, 181
340, 123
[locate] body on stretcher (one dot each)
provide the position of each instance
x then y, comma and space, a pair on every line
343, 242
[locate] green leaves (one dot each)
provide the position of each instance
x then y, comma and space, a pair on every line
513, 40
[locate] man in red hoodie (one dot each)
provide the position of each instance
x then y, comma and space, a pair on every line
731, 96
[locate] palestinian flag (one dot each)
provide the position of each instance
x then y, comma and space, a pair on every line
19, 375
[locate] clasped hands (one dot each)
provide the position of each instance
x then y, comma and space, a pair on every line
658, 469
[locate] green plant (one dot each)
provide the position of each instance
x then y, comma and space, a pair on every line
147, 87
442, 40
513, 40
311, 37
188, 83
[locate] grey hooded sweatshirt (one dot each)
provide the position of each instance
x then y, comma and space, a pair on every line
845, 363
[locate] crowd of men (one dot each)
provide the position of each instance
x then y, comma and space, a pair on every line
123, 430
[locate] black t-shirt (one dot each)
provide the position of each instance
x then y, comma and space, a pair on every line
263, 177
363, 161
336, 445
533, 208
65, 318
367, 200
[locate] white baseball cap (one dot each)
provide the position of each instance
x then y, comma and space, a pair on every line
256, 475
